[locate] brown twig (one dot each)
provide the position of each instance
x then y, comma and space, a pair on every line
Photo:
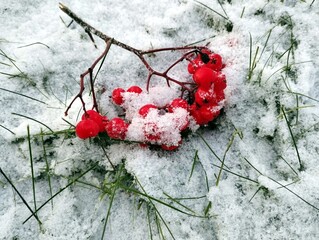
139, 53
79, 95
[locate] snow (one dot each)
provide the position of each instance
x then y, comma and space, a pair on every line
246, 204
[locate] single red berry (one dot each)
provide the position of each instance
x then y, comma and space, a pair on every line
198, 119
207, 113
204, 114
203, 96
204, 77
116, 128
168, 147
86, 128
215, 62
195, 64
96, 117
177, 103
145, 109
152, 131
117, 96
220, 82
191, 68
134, 89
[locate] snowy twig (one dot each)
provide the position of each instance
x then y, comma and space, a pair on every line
139, 53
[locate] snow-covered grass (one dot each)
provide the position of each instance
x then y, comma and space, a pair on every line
251, 174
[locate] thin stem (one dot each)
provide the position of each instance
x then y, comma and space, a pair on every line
79, 95
92, 90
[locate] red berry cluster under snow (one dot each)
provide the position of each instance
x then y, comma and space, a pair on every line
208, 97
159, 116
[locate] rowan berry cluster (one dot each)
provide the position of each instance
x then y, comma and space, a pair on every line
206, 69
158, 116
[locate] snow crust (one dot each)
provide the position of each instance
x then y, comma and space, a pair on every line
256, 140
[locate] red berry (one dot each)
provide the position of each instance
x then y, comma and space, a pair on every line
208, 113
195, 64
220, 83
117, 96
191, 68
168, 147
145, 109
204, 77
134, 89
116, 128
204, 114
203, 96
198, 118
86, 128
152, 131
177, 103
215, 62
96, 117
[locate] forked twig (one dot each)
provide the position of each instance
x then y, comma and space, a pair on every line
139, 53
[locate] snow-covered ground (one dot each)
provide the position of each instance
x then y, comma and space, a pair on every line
267, 135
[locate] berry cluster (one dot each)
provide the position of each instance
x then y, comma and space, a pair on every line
159, 116
209, 94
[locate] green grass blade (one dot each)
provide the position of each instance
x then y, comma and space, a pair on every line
230, 143
293, 139
20, 115
7, 129
22, 95
115, 187
210, 149
149, 222
193, 165
61, 190
22, 198
178, 203
157, 200
289, 165
47, 167
255, 194
157, 212
236, 174
302, 199
32, 169
205, 6
303, 95
207, 208
253, 166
